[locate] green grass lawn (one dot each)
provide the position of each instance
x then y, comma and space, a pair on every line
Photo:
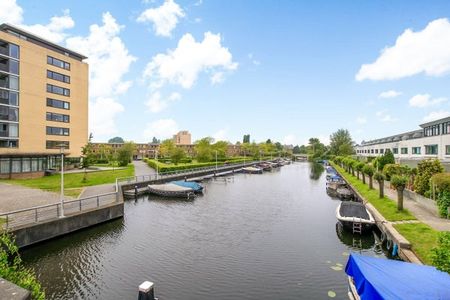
73, 182
386, 206
422, 237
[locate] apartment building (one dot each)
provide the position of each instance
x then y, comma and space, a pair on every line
432, 140
182, 138
43, 103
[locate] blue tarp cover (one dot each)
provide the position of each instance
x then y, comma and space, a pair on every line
193, 185
378, 278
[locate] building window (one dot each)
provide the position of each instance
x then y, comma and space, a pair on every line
9, 98
9, 82
395, 150
447, 149
446, 128
9, 49
57, 144
376, 151
381, 151
57, 117
9, 113
404, 150
415, 150
9, 143
58, 63
371, 151
58, 103
432, 130
57, 131
9, 65
9, 130
58, 90
431, 149
58, 76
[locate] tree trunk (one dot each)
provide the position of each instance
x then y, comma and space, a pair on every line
370, 182
381, 186
364, 178
353, 172
400, 198
357, 174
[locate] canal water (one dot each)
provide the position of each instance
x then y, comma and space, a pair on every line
269, 236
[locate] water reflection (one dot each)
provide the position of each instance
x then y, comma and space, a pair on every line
316, 171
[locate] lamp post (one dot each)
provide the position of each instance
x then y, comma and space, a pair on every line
61, 150
156, 158
216, 159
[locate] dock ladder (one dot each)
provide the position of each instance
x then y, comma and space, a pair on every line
357, 226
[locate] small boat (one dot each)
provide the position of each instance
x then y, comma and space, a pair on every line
252, 170
197, 188
380, 278
171, 190
335, 178
349, 213
331, 170
265, 166
344, 193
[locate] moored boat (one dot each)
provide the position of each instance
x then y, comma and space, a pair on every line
379, 278
265, 166
252, 170
352, 214
344, 193
196, 187
170, 190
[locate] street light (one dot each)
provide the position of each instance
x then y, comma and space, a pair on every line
61, 150
216, 159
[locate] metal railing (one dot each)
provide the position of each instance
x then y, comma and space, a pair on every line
169, 174
28, 216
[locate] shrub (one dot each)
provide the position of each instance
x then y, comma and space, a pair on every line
11, 268
398, 181
441, 254
368, 170
395, 169
443, 203
441, 182
425, 170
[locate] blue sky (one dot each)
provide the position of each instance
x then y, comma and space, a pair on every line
285, 70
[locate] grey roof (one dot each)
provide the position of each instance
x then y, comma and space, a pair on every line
446, 119
40, 41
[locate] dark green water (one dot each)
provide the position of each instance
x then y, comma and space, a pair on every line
269, 236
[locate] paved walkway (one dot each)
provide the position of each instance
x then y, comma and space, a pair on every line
15, 197
141, 168
418, 211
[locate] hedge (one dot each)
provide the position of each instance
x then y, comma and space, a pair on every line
162, 167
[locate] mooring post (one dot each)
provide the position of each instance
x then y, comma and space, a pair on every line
146, 291
135, 190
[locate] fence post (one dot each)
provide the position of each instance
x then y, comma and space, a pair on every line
7, 221
146, 291
35, 215
80, 205
98, 201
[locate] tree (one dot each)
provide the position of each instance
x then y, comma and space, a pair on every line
359, 167
441, 254
125, 153
88, 156
12, 269
380, 178
221, 147
296, 149
341, 143
279, 147
385, 159
399, 183
369, 171
315, 149
425, 170
116, 140
246, 139
177, 154
166, 148
155, 141
104, 151
203, 149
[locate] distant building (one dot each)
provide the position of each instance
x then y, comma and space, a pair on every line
43, 103
431, 141
182, 138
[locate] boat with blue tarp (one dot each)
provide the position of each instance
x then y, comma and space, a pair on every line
379, 278
196, 187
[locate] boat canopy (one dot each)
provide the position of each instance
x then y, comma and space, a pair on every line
378, 278
188, 184
353, 209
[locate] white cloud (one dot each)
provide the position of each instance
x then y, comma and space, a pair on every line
361, 120
10, 12
389, 94
162, 129
289, 139
197, 20
220, 135
425, 51
383, 116
436, 115
217, 78
156, 104
109, 61
55, 30
164, 18
424, 100
184, 64
198, 3
254, 61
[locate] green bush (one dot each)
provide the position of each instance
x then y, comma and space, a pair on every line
170, 168
11, 268
443, 202
378, 176
425, 170
395, 169
368, 170
398, 181
441, 182
441, 254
